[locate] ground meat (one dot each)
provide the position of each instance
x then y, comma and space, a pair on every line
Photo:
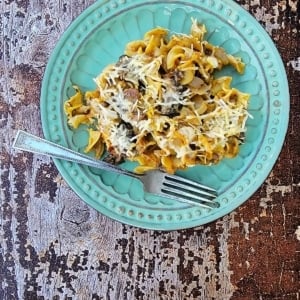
132, 94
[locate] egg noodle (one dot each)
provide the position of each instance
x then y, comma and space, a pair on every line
161, 106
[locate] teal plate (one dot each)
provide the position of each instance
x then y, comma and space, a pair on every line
98, 37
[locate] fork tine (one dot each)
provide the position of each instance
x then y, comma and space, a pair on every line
188, 193
179, 179
188, 197
191, 189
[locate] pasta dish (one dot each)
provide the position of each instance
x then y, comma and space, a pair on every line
161, 105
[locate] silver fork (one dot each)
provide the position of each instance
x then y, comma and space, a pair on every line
155, 182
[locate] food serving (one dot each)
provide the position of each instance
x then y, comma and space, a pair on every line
161, 105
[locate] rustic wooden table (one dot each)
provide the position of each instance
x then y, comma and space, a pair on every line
54, 246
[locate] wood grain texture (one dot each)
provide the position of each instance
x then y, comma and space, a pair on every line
53, 246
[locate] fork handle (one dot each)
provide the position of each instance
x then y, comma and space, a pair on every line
31, 143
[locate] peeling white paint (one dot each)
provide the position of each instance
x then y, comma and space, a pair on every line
246, 230
254, 220
293, 5
270, 189
295, 64
297, 232
270, 20
247, 264
255, 2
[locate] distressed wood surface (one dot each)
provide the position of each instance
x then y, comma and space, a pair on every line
53, 246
